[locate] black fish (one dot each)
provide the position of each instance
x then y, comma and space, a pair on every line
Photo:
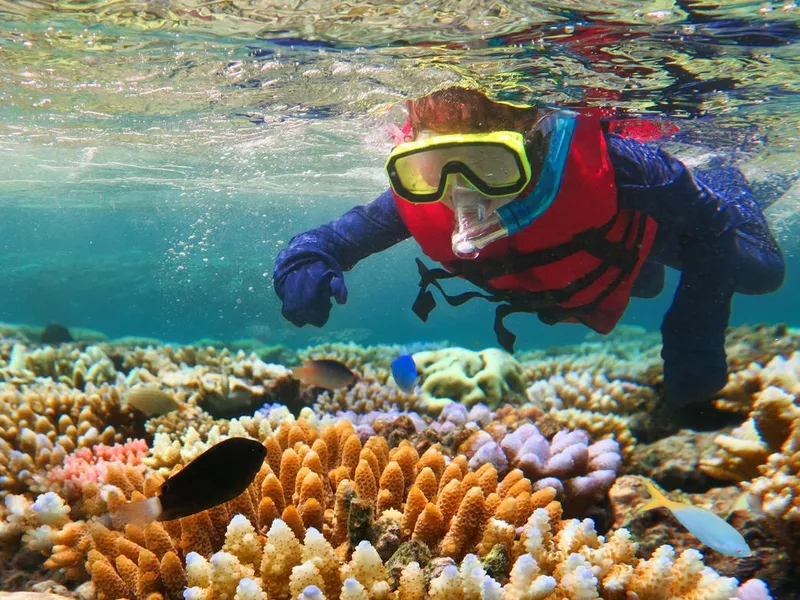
218, 475
55, 333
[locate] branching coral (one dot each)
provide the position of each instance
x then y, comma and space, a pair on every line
348, 491
591, 392
552, 559
40, 425
65, 364
372, 392
777, 492
628, 353
743, 386
34, 522
86, 465
774, 419
237, 384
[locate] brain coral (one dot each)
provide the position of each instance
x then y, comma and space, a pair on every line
457, 375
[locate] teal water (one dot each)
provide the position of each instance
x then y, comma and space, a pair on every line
155, 156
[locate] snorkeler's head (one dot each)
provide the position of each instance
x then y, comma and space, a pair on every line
465, 110
461, 110
473, 154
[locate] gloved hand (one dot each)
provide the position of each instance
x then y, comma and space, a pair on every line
306, 289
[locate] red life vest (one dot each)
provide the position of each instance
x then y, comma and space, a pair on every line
576, 262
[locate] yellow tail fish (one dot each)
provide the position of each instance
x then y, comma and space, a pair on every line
701, 523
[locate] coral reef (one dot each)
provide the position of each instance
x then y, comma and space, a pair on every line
773, 424
356, 356
41, 424
478, 486
372, 392
582, 473
652, 529
552, 559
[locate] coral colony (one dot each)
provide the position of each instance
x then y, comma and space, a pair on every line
491, 477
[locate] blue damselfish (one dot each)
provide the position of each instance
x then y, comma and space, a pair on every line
404, 371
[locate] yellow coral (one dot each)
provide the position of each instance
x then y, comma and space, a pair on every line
458, 375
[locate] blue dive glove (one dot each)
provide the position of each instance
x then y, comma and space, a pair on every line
306, 288
308, 272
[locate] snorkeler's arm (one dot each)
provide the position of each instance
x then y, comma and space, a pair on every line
358, 233
693, 331
308, 272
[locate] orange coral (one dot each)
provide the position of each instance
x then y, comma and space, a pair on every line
321, 480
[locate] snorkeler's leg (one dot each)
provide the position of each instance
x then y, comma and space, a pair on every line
760, 268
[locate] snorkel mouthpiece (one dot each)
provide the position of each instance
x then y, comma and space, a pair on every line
475, 226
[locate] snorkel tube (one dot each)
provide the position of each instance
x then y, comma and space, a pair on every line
476, 228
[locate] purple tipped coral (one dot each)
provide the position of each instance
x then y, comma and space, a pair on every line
580, 471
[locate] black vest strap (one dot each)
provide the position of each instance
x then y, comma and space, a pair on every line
620, 255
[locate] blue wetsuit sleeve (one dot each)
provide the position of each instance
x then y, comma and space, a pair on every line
653, 182
693, 331
361, 231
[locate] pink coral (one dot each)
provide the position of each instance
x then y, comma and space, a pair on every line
91, 464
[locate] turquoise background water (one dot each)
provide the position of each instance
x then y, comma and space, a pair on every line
152, 169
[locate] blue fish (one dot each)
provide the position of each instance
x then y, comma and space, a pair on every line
404, 371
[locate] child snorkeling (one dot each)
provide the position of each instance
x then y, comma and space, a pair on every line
556, 213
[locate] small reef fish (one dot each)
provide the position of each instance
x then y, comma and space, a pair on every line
703, 524
151, 401
217, 476
404, 371
324, 373
55, 334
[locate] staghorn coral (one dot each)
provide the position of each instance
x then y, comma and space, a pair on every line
457, 375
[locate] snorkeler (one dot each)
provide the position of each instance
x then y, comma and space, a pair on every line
556, 213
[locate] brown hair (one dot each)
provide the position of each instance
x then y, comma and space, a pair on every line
464, 110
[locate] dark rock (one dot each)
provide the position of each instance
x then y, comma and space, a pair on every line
673, 462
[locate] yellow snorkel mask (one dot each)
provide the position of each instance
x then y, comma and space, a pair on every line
493, 164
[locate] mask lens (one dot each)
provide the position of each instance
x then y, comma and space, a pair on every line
495, 165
